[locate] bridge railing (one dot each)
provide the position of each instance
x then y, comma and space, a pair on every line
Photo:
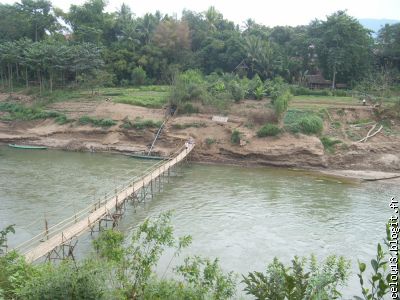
93, 206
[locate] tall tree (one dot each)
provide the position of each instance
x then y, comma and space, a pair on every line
388, 48
344, 47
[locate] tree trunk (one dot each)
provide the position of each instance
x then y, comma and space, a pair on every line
2, 79
10, 79
40, 83
51, 81
26, 78
334, 79
17, 71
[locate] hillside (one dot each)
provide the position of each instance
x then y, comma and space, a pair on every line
133, 129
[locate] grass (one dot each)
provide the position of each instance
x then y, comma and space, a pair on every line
235, 137
360, 121
329, 143
210, 141
96, 122
146, 96
188, 125
139, 123
20, 112
318, 102
336, 124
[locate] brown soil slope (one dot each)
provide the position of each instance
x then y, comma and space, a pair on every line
380, 153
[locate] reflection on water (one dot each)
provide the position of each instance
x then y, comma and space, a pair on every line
243, 216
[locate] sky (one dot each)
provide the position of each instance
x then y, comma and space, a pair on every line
267, 12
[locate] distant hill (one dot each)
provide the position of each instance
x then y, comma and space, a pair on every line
376, 24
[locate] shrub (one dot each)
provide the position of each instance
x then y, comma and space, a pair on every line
139, 123
188, 125
261, 117
303, 121
210, 141
66, 281
310, 124
189, 108
275, 87
61, 119
188, 86
138, 76
85, 120
237, 91
20, 112
299, 281
268, 130
235, 137
281, 102
329, 143
255, 87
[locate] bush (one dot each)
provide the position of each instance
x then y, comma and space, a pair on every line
299, 281
268, 130
210, 141
307, 122
310, 125
281, 102
255, 88
20, 112
138, 76
188, 108
85, 120
261, 117
66, 281
188, 86
235, 137
329, 143
237, 91
275, 87
139, 123
62, 119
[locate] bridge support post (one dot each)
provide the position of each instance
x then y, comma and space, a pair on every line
151, 188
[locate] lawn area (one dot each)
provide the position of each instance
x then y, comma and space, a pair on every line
153, 96
319, 102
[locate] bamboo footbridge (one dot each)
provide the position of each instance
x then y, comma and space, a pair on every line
56, 239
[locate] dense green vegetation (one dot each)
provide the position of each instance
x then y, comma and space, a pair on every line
139, 123
85, 120
268, 130
123, 268
19, 112
97, 48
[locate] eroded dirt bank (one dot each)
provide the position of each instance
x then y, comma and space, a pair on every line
213, 140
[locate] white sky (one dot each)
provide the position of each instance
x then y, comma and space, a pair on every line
267, 12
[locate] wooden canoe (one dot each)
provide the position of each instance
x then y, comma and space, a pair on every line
27, 147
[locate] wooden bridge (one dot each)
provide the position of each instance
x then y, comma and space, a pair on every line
58, 241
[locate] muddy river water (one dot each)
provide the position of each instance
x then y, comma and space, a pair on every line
243, 216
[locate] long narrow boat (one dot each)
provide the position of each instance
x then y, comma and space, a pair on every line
27, 147
143, 156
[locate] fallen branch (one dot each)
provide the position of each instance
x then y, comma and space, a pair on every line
369, 132
376, 132
369, 135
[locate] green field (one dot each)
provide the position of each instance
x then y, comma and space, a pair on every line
154, 96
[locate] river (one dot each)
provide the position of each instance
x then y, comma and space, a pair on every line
243, 216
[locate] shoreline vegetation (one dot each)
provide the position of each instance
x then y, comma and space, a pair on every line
123, 268
319, 97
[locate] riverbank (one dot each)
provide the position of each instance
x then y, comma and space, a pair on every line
349, 158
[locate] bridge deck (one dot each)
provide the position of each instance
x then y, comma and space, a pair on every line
87, 222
